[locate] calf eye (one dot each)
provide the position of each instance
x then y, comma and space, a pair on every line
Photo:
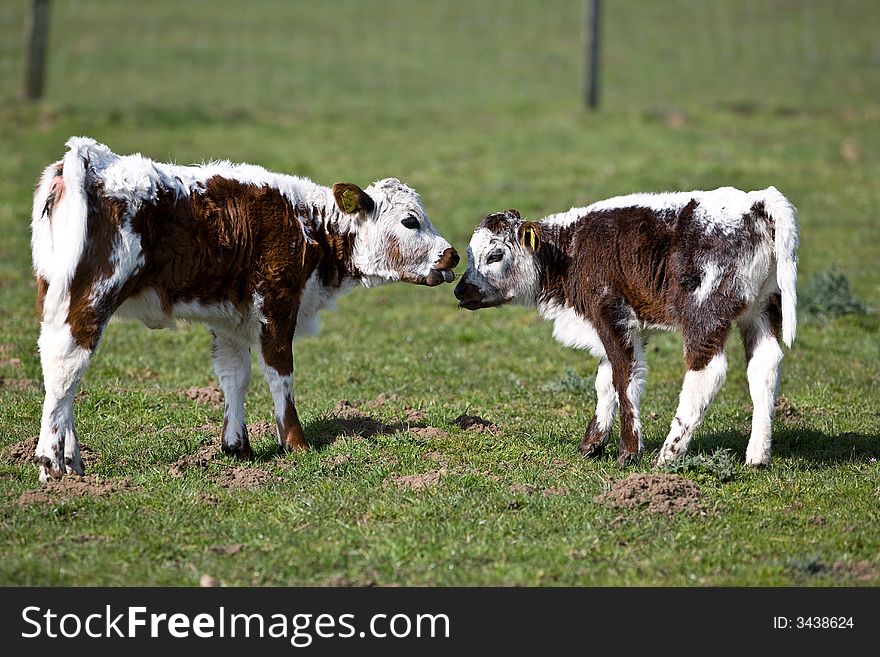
411, 222
495, 256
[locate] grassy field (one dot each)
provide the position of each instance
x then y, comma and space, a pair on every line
477, 105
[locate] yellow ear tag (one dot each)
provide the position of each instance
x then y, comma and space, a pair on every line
533, 239
349, 202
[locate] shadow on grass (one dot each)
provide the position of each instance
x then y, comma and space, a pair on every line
323, 432
798, 443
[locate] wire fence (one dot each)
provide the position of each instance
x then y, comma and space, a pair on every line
401, 55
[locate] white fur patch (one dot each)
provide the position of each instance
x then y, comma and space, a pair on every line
572, 330
697, 392
708, 282
720, 209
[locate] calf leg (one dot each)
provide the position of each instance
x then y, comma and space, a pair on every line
232, 362
703, 380
276, 360
764, 358
65, 352
625, 351
593, 443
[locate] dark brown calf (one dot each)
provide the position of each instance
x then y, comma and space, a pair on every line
610, 274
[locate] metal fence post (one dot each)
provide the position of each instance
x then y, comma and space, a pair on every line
592, 63
36, 44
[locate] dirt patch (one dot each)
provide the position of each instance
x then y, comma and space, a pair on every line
476, 423
262, 429
785, 409
235, 548
202, 458
437, 457
82, 538
72, 486
380, 401
339, 459
14, 363
428, 432
209, 395
415, 482
350, 422
413, 414
209, 499
209, 581
17, 384
239, 477
529, 489
23, 452
859, 571
665, 494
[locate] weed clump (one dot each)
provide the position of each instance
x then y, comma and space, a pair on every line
571, 382
827, 295
719, 464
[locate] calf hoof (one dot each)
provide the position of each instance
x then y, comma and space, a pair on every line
242, 452
294, 445
664, 458
626, 459
74, 465
591, 450
49, 470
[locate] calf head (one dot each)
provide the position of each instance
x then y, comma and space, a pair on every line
502, 264
393, 237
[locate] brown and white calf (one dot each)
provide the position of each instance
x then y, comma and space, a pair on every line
610, 273
253, 254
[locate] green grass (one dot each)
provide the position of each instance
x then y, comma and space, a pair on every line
477, 106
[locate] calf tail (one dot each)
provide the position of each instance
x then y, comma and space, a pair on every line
784, 217
59, 218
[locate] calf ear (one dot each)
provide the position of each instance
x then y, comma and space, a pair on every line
351, 199
529, 236
514, 212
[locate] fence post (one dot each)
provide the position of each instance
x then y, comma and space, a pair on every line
592, 63
36, 43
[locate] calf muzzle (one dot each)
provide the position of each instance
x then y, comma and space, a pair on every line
442, 270
468, 295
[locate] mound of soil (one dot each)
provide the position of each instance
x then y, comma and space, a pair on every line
261, 429
209, 395
528, 489
380, 401
202, 458
71, 486
415, 482
665, 494
23, 452
859, 571
428, 432
785, 409
17, 384
476, 423
239, 477
14, 363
